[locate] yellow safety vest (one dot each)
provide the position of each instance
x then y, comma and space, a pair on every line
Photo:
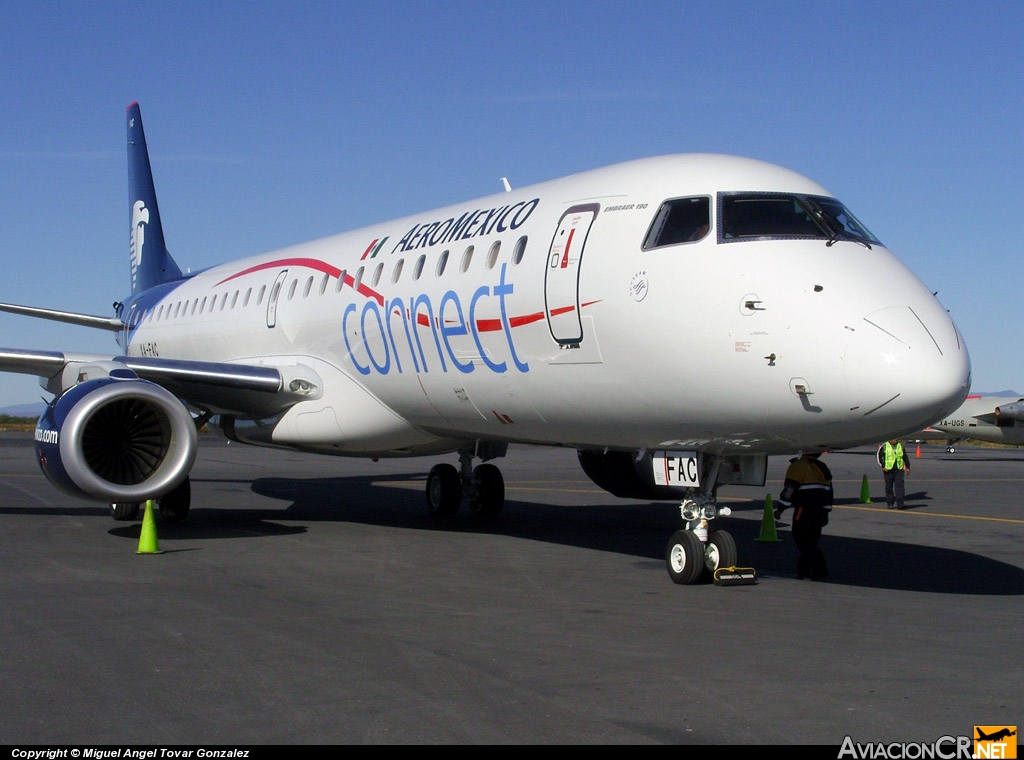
893, 455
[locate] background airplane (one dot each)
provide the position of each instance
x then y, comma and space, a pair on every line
674, 319
994, 419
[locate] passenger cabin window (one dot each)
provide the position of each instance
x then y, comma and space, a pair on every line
683, 220
492, 255
519, 250
467, 257
767, 216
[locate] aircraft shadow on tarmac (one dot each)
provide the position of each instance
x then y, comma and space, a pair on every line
633, 528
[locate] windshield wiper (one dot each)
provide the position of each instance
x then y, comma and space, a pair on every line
832, 227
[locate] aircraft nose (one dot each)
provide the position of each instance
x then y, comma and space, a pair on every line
906, 366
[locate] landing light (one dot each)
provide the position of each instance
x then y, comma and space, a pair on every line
301, 386
691, 511
699, 512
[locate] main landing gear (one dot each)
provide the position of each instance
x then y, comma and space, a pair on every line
482, 486
173, 505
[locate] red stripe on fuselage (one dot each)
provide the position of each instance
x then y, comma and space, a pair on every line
317, 264
483, 325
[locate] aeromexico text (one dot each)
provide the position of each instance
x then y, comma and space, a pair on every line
376, 319
471, 224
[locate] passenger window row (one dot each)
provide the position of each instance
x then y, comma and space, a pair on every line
220, 301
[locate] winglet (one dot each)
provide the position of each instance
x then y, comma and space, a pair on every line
151, 264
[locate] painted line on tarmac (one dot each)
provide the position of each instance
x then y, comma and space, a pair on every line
930, 514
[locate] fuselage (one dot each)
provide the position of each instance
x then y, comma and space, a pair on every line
565, 313
994, 419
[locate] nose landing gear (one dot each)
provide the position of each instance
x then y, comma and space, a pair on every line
693, 553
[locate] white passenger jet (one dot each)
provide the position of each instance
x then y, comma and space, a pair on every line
675, 319
994, 419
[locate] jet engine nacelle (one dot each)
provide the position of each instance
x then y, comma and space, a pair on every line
1013, 411
621, 474
116, 439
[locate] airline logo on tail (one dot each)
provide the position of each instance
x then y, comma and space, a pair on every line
140, 218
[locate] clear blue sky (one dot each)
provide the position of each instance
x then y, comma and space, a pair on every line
270, 124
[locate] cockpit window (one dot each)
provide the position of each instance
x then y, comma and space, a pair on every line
683, 220
765, 216
851, 226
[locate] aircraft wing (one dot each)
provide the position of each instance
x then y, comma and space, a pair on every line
113, 324
218, 387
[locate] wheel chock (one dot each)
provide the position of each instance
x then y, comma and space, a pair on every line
735, 576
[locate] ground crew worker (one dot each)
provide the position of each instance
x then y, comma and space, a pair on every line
808, 490
894, 467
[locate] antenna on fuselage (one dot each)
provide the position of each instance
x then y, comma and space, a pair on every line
508, 187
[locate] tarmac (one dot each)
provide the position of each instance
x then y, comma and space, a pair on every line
312, 600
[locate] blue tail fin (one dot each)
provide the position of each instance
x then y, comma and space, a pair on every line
151, 263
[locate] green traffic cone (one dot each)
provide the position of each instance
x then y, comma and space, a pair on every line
865, 494
147, 537
768, 523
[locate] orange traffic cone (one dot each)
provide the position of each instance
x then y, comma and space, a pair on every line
918, 454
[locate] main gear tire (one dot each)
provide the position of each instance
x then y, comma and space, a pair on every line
444, 491
490, 492
175, 504
125, 511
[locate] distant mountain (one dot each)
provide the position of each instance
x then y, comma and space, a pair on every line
996, 393
24, 410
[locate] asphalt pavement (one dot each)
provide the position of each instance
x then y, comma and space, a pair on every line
311, 600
